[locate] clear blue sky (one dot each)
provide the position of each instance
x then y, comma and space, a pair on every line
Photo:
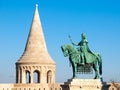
99, 19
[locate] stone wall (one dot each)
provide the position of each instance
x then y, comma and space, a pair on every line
47, 87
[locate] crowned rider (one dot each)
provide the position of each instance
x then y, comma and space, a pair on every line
84, 49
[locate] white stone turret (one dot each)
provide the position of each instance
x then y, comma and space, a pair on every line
35, 58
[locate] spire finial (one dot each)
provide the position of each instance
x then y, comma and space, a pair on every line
36, 5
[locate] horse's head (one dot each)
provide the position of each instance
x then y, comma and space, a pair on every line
64, 50
68, 50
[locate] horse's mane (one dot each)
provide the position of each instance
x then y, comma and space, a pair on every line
71, 47
68, 45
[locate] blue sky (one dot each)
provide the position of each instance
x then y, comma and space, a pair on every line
99, 19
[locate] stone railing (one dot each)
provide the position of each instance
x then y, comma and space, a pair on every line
65, 86
30, 87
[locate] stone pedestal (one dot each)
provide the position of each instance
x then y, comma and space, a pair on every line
83, 84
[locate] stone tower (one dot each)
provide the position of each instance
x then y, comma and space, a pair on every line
35, 65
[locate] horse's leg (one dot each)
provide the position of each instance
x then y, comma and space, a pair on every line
73, 67
74, 70
96, 68
100, 64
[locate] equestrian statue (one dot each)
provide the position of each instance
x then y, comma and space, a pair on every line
82, 59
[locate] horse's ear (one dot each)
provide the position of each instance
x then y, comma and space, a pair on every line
62, 48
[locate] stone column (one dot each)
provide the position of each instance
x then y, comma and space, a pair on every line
39, 77
31, 77
23, 76
43, 75
18, 75
53, 77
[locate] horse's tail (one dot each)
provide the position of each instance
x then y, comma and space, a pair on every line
100, 64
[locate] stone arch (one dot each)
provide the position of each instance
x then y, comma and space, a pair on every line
49, 76
28, 78
36, 76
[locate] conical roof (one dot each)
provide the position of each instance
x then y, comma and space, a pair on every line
35, 50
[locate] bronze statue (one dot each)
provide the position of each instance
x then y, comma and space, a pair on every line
82, 58
84, 48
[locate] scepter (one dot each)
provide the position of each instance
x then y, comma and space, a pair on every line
73, 46
70, 39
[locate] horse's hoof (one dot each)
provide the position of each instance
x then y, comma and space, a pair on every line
96, 78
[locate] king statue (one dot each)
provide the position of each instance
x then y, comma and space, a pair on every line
83, 59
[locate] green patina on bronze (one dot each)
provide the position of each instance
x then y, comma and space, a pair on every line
82, 59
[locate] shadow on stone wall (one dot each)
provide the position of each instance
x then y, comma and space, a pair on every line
65, 87
105, 86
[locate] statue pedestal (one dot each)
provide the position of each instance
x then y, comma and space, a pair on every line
83, 84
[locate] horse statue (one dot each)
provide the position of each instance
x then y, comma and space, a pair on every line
94, 61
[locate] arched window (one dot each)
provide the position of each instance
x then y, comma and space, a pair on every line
49, 76
36, 76
27, 77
